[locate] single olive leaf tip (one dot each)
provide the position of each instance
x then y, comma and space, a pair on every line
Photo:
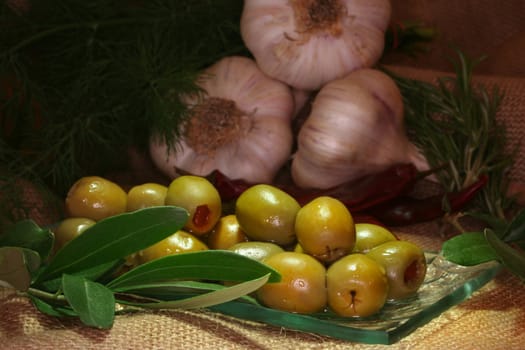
468, 249
94, 303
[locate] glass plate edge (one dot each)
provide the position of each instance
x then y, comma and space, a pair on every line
310, 324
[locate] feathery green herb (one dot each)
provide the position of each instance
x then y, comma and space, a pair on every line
82, 81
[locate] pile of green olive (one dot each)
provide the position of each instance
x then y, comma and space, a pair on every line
326, 260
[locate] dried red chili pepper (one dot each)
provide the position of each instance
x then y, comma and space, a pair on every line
404, 210
357, 195
368, 190
228, 188
360, 218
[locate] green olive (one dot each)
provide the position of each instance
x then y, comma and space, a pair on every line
256, 250
146, 195
226, 233
302, 288
405, 266
297, 248
200, 198
179, 242
357, 286
370, 235
70, 228
95, 198
267, 213
325, 229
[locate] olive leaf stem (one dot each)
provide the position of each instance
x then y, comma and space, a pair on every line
58, 296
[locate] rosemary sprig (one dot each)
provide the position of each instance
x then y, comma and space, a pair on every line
454, 121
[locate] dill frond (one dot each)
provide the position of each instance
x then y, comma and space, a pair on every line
82, 81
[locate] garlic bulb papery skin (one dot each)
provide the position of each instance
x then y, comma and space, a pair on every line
355, 128
240, 126
301, 98
307, 43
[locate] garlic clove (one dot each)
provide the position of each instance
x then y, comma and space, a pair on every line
260, 149
355, 128
307, 43
381, 87
241, 126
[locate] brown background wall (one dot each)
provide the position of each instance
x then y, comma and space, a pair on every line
494, 28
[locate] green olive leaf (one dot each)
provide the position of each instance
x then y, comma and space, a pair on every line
171, 290
217, 265
92, 301
516, 229
50, 309
114, 238
99, 273
496, 223
166, 290
513, 260
218, 296
16, 267
468, 249
27, 234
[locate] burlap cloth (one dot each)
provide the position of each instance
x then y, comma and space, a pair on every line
493, 318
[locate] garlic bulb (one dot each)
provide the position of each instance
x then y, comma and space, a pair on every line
355, 128
241, 126
307, 43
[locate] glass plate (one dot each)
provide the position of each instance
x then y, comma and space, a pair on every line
446, 284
